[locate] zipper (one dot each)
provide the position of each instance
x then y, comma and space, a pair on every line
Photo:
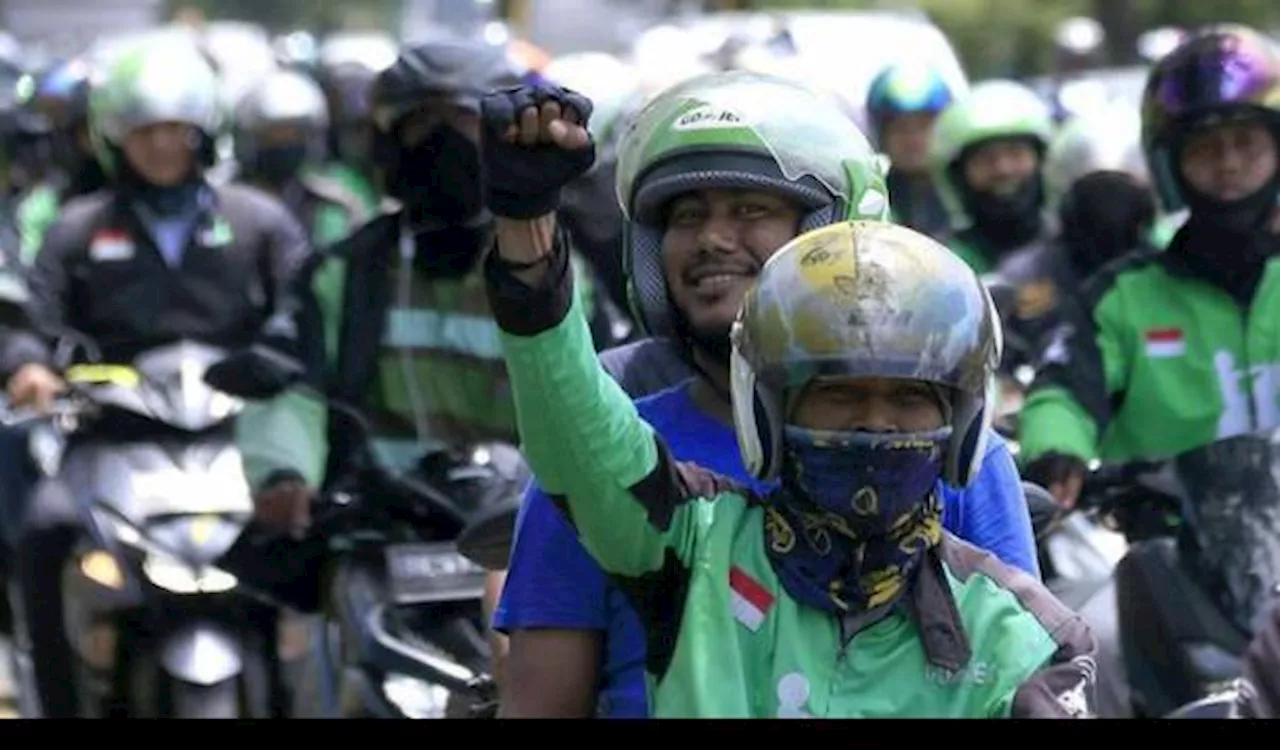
1246, 370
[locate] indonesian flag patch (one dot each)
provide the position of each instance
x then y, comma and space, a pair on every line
751, 601
111, 245
1163, 343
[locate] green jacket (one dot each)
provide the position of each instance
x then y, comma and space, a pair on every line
1155, 362
725, 640
36, 212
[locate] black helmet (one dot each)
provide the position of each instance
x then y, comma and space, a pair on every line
458, 69
1221, 73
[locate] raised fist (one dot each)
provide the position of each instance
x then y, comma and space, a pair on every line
535, 142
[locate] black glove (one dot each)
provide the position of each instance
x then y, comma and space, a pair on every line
525, 181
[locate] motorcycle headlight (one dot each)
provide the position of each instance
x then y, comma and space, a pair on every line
101, 568
415, 699
177, 578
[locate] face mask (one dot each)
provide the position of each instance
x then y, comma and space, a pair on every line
854, 516
440, 178
869, 480
278, 165
1007, 219
1246, 215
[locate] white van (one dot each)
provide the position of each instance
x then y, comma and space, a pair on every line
841, 51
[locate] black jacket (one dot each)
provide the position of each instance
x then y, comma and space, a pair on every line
101, 275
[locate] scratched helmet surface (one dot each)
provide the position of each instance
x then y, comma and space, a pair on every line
864, 299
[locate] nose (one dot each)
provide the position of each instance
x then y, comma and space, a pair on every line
718, 233
876, 415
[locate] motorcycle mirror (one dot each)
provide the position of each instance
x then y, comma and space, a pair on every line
255, 374
72, 347
486, 541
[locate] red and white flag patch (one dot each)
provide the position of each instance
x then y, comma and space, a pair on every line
1165, 342
111, 245
751, 600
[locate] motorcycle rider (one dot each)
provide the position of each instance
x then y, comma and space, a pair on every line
347, 81
1096, 183
987, 153
719, 212
61, 98
160, 256
903, 103
281, 130
407, 334
1171, 351
801, 602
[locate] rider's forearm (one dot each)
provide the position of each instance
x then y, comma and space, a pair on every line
580, 432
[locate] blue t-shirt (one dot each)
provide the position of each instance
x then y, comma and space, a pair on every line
553, 583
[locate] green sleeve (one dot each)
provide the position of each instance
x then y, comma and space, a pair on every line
36, 213
285, 433
356, 184
1069, 406
586, 443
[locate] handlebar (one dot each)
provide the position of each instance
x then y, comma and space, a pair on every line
1106, 479
64, 413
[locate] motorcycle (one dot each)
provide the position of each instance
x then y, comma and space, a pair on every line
1203, 564
404, 635
158, 628
1078, 553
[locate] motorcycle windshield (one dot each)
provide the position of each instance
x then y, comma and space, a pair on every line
171, 388
1232, 534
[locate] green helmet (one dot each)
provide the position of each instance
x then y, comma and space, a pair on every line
736, 130
158, 80
991, 110
1108, 140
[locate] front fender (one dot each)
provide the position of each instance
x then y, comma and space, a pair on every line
202, 654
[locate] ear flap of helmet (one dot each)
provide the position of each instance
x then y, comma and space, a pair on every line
971, 422
757, 420
972, 414
646, 279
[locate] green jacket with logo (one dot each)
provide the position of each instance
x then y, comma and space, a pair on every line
724, 639
1155, 362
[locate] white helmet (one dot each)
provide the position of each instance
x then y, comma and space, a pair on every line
1109, 139
608, 82
284, 97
